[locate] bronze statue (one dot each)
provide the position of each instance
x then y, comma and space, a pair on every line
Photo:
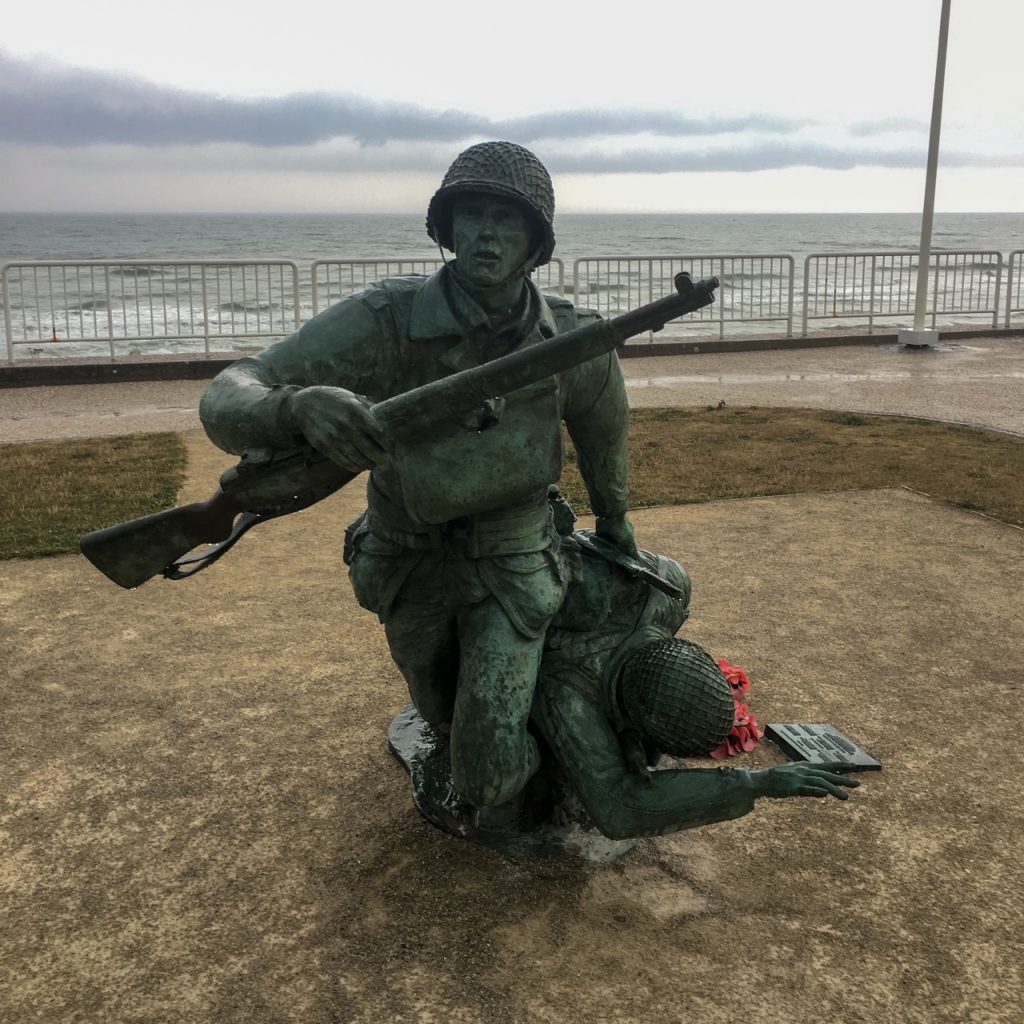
543, 666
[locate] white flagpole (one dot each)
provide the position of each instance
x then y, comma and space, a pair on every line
919, 336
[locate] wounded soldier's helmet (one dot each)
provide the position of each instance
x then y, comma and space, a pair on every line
501, 169
675, 694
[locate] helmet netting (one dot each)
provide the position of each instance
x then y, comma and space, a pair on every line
502, 169
677, 695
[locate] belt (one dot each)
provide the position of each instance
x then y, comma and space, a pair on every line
523, 529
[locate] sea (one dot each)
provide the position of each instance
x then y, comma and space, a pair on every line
308, 237
77, 312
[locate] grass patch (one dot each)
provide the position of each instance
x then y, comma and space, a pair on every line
681, 456
54, 491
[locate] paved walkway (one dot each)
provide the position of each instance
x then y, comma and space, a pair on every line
974, 381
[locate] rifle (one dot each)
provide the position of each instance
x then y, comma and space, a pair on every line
268, 483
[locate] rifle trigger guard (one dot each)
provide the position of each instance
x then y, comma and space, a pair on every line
200, 560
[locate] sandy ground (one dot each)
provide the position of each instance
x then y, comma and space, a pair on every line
199, 820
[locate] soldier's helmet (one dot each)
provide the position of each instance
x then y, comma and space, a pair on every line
674, 692
501, 169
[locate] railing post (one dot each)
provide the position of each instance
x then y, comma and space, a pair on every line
110, 315
314, 266
1014, 261
807, 293
206, 310
721, 299
995, 301
295, 294
8, 328
791, 263
871, 299
650, 294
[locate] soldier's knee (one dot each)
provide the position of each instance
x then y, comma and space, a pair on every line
490, 773
483, 788
433, 696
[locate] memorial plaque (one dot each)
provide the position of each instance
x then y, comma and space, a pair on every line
818, 744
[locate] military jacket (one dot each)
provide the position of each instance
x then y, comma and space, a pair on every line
405, 332
577, 710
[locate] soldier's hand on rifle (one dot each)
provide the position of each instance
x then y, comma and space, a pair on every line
618, 530
802, 780
341, 425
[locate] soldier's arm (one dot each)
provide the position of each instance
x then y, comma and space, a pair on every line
623, 804
308, 387
596, 413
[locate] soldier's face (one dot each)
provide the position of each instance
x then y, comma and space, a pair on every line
491, 236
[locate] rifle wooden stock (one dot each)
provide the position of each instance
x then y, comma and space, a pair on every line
133, 552
266, 484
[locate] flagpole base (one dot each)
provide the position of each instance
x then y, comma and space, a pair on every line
907, 337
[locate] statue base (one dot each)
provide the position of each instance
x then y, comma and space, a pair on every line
550, 822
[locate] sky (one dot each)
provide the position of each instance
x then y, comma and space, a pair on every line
649, 106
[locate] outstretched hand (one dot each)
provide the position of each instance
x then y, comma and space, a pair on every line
798, 779
341, 425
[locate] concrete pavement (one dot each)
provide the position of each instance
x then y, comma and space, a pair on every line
978, 381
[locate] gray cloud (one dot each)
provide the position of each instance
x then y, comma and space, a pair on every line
76, 108
743, 156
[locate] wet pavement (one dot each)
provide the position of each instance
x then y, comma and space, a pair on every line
977, 381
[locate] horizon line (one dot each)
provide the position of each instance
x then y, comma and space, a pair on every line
421, 213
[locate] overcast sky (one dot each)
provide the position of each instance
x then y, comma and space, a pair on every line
741, 105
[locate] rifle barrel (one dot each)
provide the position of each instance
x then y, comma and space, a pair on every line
409, 414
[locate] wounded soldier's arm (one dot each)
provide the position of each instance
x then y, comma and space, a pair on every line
623, 804
307, 387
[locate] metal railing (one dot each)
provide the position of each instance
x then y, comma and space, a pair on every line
119, 308
1014, 285
755, 288
334, 280
124, 307
857, 286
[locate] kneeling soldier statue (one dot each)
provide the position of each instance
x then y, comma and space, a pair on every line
456, 553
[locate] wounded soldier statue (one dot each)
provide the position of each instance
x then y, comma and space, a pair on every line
616, 690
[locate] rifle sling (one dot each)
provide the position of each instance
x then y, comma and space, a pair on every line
199, 560
607, 553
